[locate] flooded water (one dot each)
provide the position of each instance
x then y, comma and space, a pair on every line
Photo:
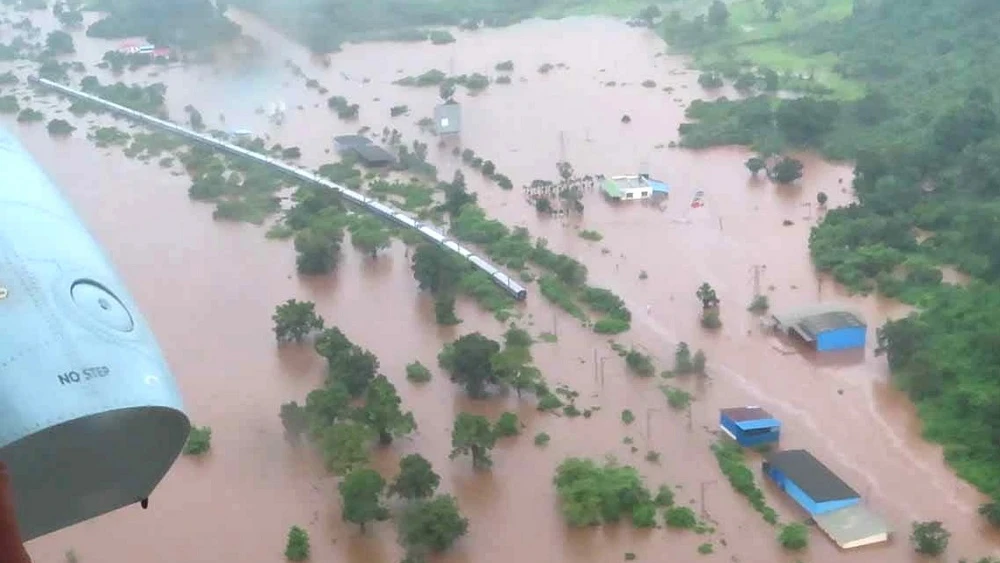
209, 290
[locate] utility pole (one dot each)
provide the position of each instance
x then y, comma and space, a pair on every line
689, 421
649, 416
555, 325
704, 512
562, 146
602, 372
756, 270
595, 366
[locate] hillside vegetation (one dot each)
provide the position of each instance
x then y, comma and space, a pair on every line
925, 136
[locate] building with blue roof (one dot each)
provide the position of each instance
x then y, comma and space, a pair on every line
750, 426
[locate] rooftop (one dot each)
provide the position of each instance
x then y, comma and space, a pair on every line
814, 478
373, 155
351, 141
854, 526
812, 320
740, 414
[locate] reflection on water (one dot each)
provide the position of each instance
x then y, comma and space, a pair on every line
209, 290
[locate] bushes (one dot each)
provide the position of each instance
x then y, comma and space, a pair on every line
590, 494
794, 537
199, 441
731, 461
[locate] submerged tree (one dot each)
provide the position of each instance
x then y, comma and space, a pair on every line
469, 363
294, 320
473, 435
416, 478
706, 294
929, 538
431, 526
361, 497
382, 411
755, 164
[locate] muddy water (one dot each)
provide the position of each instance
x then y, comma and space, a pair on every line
209, 290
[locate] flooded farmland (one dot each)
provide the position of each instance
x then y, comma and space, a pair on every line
209, 288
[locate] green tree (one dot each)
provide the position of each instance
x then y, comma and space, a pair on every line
590, 494
507, 425
416, 478
468, 361
325, 406
991, 511
718, 13
682, 359
369, 235
199, 441
382, 411
294, 420
355, 369
786, 170
297, 546
435, 269
805, 121
295, 320
706, 294
431, 526
821, 199
649, 14
794, 536
444, 309
473, 435
317, 252
345, 447
59, 42
331, 342
417, 372
755, 164
60, 127
929, 538
361, 497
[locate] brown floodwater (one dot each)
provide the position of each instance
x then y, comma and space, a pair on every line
209, 289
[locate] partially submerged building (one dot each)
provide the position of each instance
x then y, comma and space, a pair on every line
832, 503
448, 118
750, 426
825, 327
362, 147
853, 526
632, 187
808, 482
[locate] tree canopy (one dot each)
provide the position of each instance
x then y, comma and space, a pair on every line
295, 320
473, 435
416, 478
361, 497
431, 526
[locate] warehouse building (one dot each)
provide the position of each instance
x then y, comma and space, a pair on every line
750, 426
825, 327
808, 482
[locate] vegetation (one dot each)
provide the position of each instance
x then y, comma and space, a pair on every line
297, 546
733, 465
591, 494
542, 439
794, 536
929, 538
473, 435
361, 497
355, 407
481, 365
686, 363
416, 478
199, 441
29, 115
680, 517
60, 128
192, 24
417, 372
9, 104
295, 320
639, 363
430, 526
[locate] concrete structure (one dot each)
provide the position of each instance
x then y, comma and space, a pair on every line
505, 281
374, 156
632, 187
448, 118
808, 482
750, 426
853, 526
825, 327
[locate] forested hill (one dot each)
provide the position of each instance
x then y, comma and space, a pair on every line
323, 25
925, 136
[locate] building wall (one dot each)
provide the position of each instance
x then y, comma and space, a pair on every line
803, 499
745, 439
841, 339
